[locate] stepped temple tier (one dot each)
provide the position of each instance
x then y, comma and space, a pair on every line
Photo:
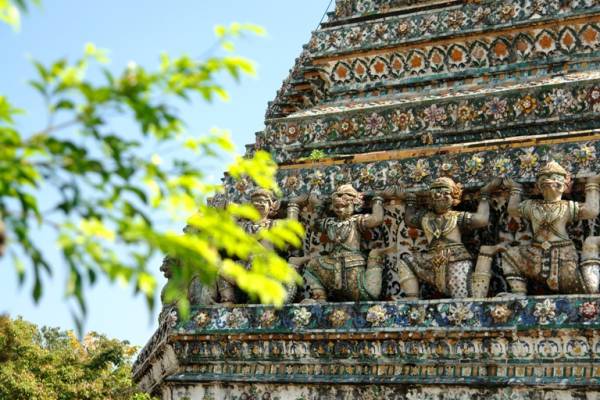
442, 156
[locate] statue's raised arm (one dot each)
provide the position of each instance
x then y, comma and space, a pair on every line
551, 258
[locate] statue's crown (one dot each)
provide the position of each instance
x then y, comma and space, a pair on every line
553, 167
260, 192
347, 189
443, 182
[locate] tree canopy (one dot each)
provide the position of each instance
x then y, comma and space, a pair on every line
51, 364
104, 191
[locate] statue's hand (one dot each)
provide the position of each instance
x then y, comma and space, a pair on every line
300, 200
593, 179
511, 184
492, 185
388, 193
314, 200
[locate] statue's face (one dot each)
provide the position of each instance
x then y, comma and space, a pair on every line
262, 205
343, 205
442, 199
551, 185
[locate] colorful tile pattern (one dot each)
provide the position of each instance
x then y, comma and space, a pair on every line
483, 16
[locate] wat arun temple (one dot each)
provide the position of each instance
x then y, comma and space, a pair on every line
442, 156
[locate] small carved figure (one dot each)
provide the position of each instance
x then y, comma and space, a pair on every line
342, 272
551, 258
446, 264
267, 206
196, 293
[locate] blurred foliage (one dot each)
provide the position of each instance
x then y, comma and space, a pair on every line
109, 198
50, 364
10, 11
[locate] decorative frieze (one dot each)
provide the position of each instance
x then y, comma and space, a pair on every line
452, 19
525, 109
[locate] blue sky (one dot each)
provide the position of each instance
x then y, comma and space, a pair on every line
139, 30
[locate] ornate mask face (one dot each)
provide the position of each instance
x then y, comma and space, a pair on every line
551, 185
262, 205
342, 205
441, 199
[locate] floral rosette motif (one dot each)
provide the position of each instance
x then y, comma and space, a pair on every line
500, 313
460, 314
403, 27
465, 113
559, 101
434, 115
474, 165
545, 312
447, 169
374, 124
338, 318
526, 105
496, 108
456, 19
376, 315
593, 98
242, 185
317, 130
291, 182
292, 132
317, 179
416, 315
589, 310
301, 317
202, 319
366, 176
235, 319
403, 121
346, 127
529, 161
507, 12
584, 155
502, 166
419, 171
268, 318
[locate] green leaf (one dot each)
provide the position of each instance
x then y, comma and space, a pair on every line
9, 13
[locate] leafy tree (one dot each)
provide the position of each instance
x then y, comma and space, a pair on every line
110, 192
50, 364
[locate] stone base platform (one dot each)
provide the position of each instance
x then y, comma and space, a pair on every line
503, 348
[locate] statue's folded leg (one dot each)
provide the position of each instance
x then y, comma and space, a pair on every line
226, 291
510, 267
410, 270
316, 289
372, 278
590, 264
483, 271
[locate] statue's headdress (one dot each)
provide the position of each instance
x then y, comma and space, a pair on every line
260, 192
553, 167
445, 182
347, 189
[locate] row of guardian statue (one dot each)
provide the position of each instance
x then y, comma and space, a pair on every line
344, 272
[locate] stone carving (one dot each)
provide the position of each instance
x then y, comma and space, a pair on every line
446, 264
266, 204
343, 272
196, 293
551, 258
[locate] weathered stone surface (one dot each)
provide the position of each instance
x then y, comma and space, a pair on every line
398, 93
484, 346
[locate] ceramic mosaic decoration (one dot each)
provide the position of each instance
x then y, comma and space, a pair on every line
443, 158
